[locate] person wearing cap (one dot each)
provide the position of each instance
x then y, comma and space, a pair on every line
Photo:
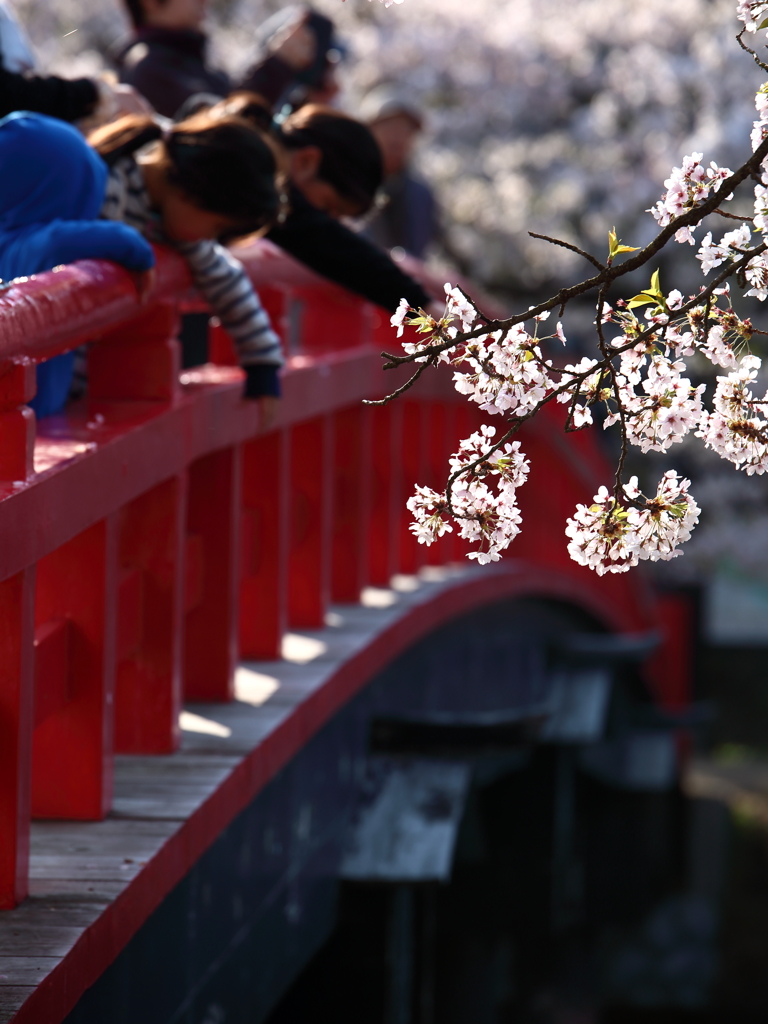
407, 219
165, 59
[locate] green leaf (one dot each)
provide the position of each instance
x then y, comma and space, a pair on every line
615, 247
763, 24
655, 288
643, 299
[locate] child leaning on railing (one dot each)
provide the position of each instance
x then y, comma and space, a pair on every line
62, 200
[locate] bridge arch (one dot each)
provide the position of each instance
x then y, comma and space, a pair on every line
197, 537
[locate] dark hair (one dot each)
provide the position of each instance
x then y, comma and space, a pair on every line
136, 12
222, 164
351, 158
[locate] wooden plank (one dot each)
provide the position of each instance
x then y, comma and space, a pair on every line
11, 998
25, 939
26, 970
100, 891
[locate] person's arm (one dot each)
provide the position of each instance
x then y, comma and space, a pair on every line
336, 252
67, 241
57, 97
290, 52
223, 282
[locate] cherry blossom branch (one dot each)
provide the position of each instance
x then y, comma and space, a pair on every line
691, 218
567, 245
743, 45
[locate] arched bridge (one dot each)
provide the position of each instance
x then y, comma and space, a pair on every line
210, 631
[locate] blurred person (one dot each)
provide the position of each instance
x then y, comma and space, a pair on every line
316, 80
93, 101
334, 169
204, 180
408, 218
165, 60
51, 189
201, 181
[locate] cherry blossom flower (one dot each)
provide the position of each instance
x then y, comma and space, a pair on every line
485, 515
752, 13
712, 255
609, 536
736, 428
507, 372
398, 317
687, 187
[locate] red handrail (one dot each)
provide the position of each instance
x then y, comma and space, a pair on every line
154, 532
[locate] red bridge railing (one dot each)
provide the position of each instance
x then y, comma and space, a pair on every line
155, 532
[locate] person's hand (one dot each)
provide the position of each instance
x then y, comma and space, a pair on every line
129, 101
115, 100
295, 45
268, 406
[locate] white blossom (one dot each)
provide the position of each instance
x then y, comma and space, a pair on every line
687, 187
484, 499
736, 428
609, 536
507, 372
398, 317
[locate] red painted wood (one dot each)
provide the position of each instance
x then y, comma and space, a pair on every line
129, 622
17, 421
264, 546
412, 471
310, 549
327, 321
438, 449
221, 348
351, 477
53, 677
72, 751
148, 691
17, 596
139, 361
384, 514
671, 668
210, 629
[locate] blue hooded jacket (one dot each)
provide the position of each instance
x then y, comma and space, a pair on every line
52, 187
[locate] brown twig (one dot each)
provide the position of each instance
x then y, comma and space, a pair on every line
567, 245
744, 46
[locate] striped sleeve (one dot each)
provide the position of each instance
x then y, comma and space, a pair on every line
223, 282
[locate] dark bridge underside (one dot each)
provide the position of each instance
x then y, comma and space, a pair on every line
229, 940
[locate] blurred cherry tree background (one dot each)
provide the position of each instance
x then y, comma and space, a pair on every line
559, 116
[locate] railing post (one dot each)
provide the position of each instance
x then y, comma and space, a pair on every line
264, 545
17, 421
351, 479
150, 609
383, 518
142, 362
311, 493
72, 758
411, 554
441, 417
212, 582
17, 623
139, 361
